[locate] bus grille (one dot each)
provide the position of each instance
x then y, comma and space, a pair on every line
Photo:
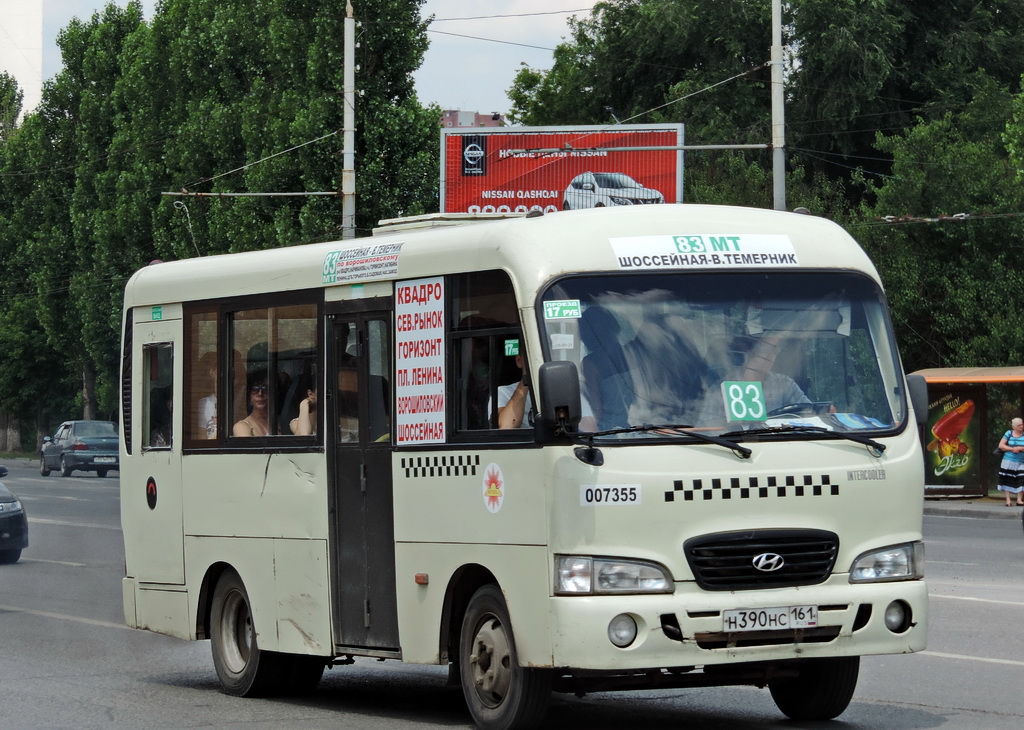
725, 561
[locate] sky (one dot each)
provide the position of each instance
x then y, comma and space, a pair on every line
470, 70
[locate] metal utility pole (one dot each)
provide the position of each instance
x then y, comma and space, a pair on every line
778, 113
348, 172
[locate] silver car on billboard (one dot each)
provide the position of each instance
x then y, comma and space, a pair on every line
601, 189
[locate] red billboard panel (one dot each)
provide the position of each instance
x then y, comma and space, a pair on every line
519, 169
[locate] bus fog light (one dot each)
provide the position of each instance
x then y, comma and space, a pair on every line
897, 617
622, 630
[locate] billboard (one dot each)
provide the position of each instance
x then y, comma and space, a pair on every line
519, 169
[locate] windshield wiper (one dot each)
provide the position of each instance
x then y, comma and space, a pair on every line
677, 429
798, 428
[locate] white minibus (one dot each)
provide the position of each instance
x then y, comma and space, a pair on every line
636, 447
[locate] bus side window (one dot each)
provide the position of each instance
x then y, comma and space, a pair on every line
485, 318
158, 394
201, 384
274, 344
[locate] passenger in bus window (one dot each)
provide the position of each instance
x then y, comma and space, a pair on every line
515, 401
206, 418
305, 423
257, 423
348, 389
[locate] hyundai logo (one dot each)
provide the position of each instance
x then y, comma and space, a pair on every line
768, 562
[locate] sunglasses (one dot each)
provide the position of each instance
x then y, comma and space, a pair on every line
258, 389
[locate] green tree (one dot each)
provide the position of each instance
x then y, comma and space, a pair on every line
951, 280
11, 97
34, 379
888, 64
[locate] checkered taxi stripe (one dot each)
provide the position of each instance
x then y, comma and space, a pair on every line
462, 465
805, 485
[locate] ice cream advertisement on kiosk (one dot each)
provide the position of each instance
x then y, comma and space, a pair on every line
952, 440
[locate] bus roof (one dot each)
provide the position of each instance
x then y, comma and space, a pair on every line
535, 248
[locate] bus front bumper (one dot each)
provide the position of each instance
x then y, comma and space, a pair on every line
687, 628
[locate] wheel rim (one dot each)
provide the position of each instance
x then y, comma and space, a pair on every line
491, 661
237, 632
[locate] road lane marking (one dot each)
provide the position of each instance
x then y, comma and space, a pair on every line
49, 497
64, 617
65, 523
971, 598
53, 562
987, 660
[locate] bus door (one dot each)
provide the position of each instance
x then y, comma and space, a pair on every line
152, 477
359, 451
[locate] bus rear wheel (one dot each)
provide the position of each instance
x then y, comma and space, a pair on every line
500, 694
821, 691
243, 670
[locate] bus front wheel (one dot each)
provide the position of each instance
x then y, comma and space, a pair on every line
243, 670
500, 694
822, 690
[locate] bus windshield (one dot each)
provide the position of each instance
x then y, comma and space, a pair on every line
728, 353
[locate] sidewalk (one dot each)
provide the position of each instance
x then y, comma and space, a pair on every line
981, 507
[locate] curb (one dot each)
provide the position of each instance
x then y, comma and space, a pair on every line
977, 510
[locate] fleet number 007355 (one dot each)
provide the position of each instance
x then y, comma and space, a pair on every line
619, 494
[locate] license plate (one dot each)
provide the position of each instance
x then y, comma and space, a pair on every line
768, 619
105, 459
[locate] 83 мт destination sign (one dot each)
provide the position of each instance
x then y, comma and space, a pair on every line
716, 250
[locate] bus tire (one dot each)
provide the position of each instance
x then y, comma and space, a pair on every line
500, 694
242, 668
822, 690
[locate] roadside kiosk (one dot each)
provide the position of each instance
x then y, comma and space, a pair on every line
965, 422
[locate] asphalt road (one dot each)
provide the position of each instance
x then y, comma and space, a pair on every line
68, 661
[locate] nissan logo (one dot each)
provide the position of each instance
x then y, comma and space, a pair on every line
768, 562
472, 153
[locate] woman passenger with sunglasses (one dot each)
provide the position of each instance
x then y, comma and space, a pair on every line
257, 423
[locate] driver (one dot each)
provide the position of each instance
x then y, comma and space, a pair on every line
752, 359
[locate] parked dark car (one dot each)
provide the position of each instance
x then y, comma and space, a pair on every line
13, 524
80, 446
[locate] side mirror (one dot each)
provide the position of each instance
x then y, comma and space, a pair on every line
559, 391
3, 471
917, 388
588, 186
47, 439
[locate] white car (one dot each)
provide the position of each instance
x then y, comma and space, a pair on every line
600, 189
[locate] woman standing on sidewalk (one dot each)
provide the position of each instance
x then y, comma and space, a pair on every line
1011, 468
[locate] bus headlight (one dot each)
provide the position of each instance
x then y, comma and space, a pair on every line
899, 562
581, 575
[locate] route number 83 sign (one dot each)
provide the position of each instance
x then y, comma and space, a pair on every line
744, 400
